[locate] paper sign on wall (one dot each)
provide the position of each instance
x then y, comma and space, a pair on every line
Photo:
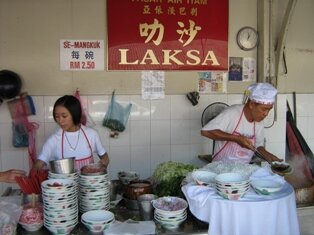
82, 55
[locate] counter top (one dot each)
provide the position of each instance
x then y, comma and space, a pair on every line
122, 213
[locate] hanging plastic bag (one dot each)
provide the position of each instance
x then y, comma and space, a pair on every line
117, 116
24, 132
86, 119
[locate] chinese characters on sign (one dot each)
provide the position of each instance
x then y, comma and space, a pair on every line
167, 34
82, 55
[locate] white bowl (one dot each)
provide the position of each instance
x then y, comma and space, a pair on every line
202, 177
231, 178
265, 186
170, 205
97, 216
31, 227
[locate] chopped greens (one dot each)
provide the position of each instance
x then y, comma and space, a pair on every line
168, 176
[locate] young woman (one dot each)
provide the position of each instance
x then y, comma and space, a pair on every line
72, 139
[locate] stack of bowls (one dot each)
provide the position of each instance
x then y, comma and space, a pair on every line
170, 212
97, 220
60, 205
94, 192
232, 186
72, 176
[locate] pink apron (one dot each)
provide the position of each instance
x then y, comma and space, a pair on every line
233, 152
84, 161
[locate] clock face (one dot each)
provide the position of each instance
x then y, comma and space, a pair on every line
247, 38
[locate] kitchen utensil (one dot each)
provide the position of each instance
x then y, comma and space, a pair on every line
145, 206
137, 188
281, 168
63, 166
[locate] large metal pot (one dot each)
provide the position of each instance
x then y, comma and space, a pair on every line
137, 188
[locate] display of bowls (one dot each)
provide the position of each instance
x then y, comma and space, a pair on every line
63, 166
60, 205
170, 212
127, 176
203, 177
94, 192
232, 186
266, 187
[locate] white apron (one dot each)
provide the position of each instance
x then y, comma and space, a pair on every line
84, 161
233, 152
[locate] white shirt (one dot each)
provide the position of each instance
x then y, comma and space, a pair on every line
52, 149
227, 120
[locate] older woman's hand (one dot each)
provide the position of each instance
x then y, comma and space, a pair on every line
9, 175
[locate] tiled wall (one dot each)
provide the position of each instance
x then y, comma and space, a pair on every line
157, 131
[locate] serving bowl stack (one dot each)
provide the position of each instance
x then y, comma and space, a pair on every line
170, 212
232, 186
97, 220
60, 205
71, 176
94, 191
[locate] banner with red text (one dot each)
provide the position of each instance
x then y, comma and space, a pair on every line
167, 34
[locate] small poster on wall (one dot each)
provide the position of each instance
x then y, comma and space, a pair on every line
242, 69
212, 82
82, 55
153, 85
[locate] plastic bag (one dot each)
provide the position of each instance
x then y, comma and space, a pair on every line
9, 217
117, 116
86, 119
20, 133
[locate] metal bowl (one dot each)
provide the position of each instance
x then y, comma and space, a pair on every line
63, 166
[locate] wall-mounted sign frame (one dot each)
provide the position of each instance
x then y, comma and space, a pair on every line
167, 35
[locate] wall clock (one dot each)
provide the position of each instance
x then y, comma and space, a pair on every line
247, 38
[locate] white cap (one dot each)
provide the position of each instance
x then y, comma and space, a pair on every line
262, 93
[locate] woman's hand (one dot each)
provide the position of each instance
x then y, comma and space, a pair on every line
104, 160
9, 176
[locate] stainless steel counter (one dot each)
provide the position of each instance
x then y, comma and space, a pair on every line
122, 213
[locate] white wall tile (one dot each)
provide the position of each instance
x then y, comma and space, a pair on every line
140, 132
235, 99
120, 160
159, 154
49, 102
181, 153
180, 107
160, 132
160, 109
180, 131
140, 161
140, 108
218, 98
97, 107
195, 130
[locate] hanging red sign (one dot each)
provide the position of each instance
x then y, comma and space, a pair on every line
167, 34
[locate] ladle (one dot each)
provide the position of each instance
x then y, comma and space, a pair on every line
276, 166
